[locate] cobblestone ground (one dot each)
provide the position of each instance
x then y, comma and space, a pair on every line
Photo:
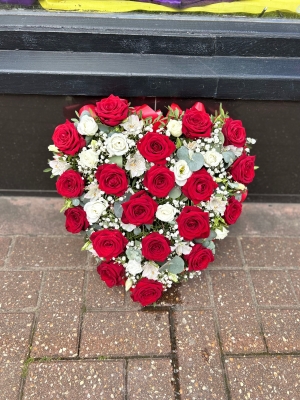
234, 334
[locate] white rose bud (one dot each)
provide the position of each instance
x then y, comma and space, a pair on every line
117, 144
133, 267
87, 126
166, 213
94, 209
88, 159
212, 158
150, 270
175, 127
221, 234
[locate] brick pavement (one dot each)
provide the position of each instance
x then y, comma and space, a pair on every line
234, 334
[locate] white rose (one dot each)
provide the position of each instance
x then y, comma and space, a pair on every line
133, 267
88, 159
136, 165
87, 126
182, 172
212, 158
175, 127
94, 209
150, 270
58, 166
221, 234
117, 144
166, 212
133, 126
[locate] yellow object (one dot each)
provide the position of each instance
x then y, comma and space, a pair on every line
235, 7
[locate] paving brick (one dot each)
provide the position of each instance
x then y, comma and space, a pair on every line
19, 289
273, 288
76, 380
56, 335
32, 216
99, 295
10, 379
150, 379
62, 291
271, 252
4, 247
263, 219
231, 289
194, 292
227, 254
201, 374
295, 277
240, 331
14, 336
46, 252
282, 329
125, 334
264, 378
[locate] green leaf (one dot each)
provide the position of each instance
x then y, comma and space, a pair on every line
86, 245
221, 137
175, 192
128, 284
47, 170
183, 154
229, 157
173, 277
212, 235
174, 266
209, 245
178, 143
75, 202
196, 162
137, 231
256, 167
88, 140
118, 209
134, 254
104, 128
116, 160
149, 227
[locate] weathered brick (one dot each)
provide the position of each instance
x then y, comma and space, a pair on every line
4, 247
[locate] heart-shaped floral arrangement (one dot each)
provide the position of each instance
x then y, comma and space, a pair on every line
151, 192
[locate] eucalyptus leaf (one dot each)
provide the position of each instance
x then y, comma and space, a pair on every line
104, 128
75, 202
149, 227
175, 192
96, 227
221, 137
183, 153
174, 266
238, 196
209, 245
134, 254
198, 241
196, 162
116, 160
137, 231
229, 157
118, 209
212, 235
88, 140
85, 112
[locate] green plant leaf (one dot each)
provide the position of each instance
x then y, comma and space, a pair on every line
229, 157
75, 202
174, 266
175, 192
137, 231
196, 162
116, 160
118, 209
221, 137
104, 128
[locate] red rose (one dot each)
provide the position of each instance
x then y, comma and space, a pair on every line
234, 133
242, 170
233, 211
159, 181
155, 247
111, 273
67, 139
199, 186
140, 209
199, 258
76, 220
193, 223
147, 291
156, 147
196, 124
112, 110
70, 184
108, 243
112, 179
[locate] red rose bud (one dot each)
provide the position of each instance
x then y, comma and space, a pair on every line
70, 184
156, 148
174, 107
159, 181
112, 110
76, 220
155, 247
147, 112
196, 124
233, 211
112, 179
199, 186
111, 273
108, 243
140, 209
234, 133
147, 291
91, 108
242, 170
198, 106
199, 258
67, 139
244, 196
193, 223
